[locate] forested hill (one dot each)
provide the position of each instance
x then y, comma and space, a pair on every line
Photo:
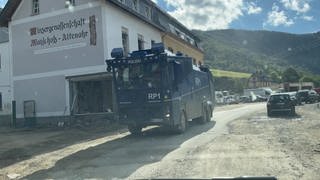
249, 51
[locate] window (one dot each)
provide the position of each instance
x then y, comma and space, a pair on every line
35, 7
147, 12
0, 101
188, 40
125, 41
178, 33
140, 42
170, 49
70, 3
135, 4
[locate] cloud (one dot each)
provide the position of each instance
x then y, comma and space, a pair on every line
300, 6
277, 17
206, 14
307, 18
252, 8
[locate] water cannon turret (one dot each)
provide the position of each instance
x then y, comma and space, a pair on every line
117, 53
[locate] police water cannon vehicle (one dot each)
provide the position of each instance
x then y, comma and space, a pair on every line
154, 87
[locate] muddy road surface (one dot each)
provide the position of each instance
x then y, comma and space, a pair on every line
240, 140
155, 154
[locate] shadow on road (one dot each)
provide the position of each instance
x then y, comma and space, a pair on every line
284, 115
43, 141
121, 157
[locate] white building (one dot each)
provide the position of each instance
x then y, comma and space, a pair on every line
5, 67
59, 49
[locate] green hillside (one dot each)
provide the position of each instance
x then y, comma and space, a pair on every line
249, 51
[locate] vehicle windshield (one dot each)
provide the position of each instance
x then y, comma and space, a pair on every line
139, 76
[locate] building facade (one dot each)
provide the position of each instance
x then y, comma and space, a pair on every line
259, 80
5, 66
58, 50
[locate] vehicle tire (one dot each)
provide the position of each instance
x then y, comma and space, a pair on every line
181, 128
135, 130
208, 114
210, 111
269, 112
204, 118
293, 111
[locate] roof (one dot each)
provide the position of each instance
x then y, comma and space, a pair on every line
175, 21
153, 22
129, 10
12, 5
4, 35
7, 12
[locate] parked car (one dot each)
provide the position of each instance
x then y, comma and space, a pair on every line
261, 98
280, 103
318, 91
302, 96
244, 99
232, 99
312, 96
293, 97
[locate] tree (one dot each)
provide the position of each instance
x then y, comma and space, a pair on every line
290, 75
307, 79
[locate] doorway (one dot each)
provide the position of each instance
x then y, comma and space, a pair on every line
91, 94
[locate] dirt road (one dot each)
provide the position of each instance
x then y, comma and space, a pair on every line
243, 141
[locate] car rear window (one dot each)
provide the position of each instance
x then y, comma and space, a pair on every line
279, 98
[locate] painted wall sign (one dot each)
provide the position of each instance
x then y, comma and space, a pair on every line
64, 41
64, 31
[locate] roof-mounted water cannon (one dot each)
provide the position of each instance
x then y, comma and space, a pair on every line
157, 48
179, 53
139, 54
205, 68
117, 53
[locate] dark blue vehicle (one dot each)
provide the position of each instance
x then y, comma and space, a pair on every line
153, 88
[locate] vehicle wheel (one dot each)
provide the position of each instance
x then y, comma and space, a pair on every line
210, 111
269, 113
181, 128
204, 118
208, 114
135, 130
293, 111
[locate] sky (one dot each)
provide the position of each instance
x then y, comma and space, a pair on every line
292, 16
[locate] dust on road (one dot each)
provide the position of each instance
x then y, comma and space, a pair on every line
244, 141
285, 147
